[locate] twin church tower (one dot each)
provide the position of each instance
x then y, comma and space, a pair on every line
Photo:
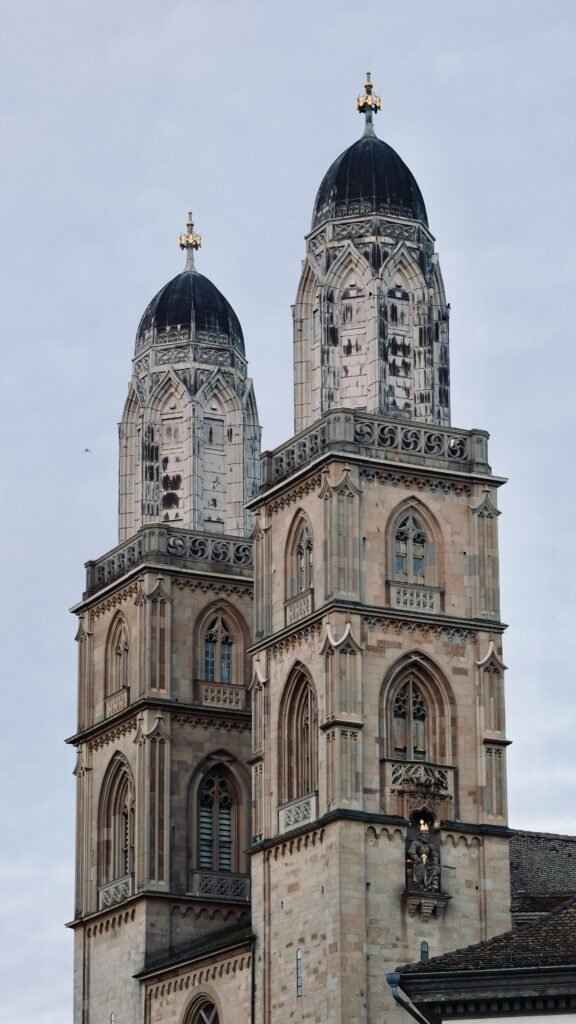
291, 745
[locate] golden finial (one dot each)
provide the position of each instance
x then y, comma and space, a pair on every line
368, 104
190, 241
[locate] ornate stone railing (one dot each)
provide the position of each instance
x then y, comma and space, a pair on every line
221, 695
299, 606
116, 891
298, 812
220, 885
116, 702
379, 437
171, 546
415, 597
413, 784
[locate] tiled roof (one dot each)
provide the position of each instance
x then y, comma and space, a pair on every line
549, 942
542, 863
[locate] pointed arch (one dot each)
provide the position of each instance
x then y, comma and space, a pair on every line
129, 484
116, 824
117, 663
298, 732
403, 265
414, 547
218, 389
299, 556
219, 809
203, 1009
221, 640
417, 712
168, 385
349, 261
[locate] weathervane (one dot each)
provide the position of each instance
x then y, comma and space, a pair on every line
189, 241
368, 104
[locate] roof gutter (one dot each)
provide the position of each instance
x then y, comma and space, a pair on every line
393, 980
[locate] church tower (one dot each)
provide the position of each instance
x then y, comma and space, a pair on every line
165, 624
379, 827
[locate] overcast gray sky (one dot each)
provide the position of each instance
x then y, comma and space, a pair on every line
115, 119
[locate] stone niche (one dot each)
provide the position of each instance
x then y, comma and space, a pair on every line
423, 893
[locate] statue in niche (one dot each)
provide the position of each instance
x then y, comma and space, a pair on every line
422, 854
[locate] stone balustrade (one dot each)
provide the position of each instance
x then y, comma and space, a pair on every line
166, 545
116, 891
221, 885
382, 438
299, 606
221, 695
116, 702
298, 812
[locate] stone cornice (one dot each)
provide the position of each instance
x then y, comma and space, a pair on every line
123, 720
413, 620
369, 818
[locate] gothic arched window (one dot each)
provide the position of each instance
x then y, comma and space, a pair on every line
218, 649
410, 722
410, 551
217, 808
300, 740
206, 1013
116, 858
117, 657
304, 557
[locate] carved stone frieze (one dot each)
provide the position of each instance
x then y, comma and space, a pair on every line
210, 587
112, 735
289, 643
454, 634
126, 594
296, 494
205, 722
176, 354
417, 482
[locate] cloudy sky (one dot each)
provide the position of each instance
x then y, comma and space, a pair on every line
116, 118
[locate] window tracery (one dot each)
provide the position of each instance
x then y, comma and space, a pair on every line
217, 808
409, 722
218, 651
206, 1013
410, 551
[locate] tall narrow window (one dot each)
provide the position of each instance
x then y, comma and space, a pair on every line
216, 808
298, 972
218, 646
300, 761
117, 667
409, 551
116, 857
409, 723
302, 560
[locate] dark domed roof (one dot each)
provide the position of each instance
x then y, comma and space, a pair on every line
369, 177
191, 299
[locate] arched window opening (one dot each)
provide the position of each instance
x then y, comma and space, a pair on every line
117, 667
117, 826
218, 644
304, 559
301, 741
424, 951
216, 810
409, 723
204, 1014
410, 551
